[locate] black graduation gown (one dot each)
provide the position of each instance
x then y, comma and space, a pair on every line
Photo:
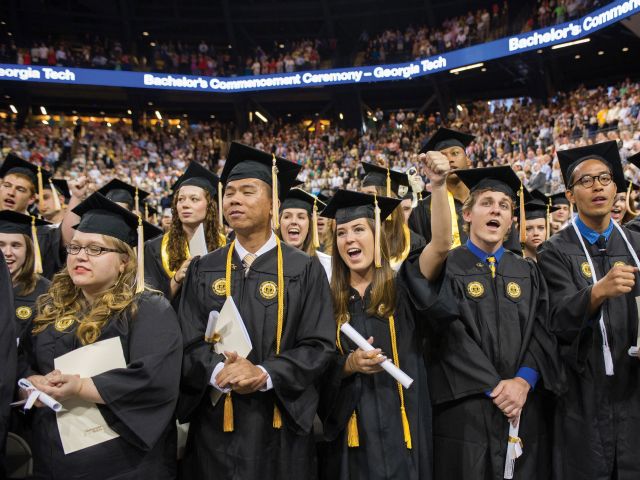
420, 222
140, 400
154, 273
7, 356
599, 417
500, 327
382, 453
25, 305
51, 250
255, 449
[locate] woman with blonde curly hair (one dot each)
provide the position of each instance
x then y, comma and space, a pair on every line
167, 257
98, 296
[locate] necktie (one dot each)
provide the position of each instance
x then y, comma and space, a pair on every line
247, 261
491, 261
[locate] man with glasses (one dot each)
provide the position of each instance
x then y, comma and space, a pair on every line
590, 268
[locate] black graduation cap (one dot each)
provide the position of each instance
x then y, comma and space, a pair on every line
14, 164
198, 176
538, 195
298, 198
346, 206
325, 195
297, 183
634, 159
244, 161
500, 179
15, 222
121, 192
445, 138
61, 186
558, 199
606, 152
384, 177
537, 209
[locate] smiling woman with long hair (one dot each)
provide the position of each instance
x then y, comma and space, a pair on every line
364, 410
98, 296
194, 203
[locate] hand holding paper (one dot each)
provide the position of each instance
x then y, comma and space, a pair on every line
35, 394
404, 379
514, 448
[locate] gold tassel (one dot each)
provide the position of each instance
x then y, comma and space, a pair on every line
140, 273
390, 217
353, 437
56, 199
220, 216
405, 428
396, 360
146, 212
548, 220
227, 422
40, 189
137, 202
377, 255
37, 261
523, 221
277, 418
275, 221
628, 200
314, 225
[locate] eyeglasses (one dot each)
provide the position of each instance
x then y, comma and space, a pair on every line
92, 250
588, 181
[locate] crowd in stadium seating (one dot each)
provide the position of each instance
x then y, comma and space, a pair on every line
172, 57
483, 25
520, 133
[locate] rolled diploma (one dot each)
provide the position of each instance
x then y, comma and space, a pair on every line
38, 395
404, 379
514, 450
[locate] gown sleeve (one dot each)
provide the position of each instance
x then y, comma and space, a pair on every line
7, 355
199, 358
295, 371
140, 399
570, 320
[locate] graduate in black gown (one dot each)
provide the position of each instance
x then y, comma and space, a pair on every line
402, 241
23, 184
592, 277
451, 144
167, 257
493, 364
562, 214
18, 247
374, 427
7, 357
261, 428
537, 215
100, 295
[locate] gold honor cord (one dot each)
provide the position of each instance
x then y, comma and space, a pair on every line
628, 200
353, 437
275, 220
228, 403
164, 255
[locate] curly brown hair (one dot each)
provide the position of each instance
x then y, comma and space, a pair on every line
65, 301
178, 237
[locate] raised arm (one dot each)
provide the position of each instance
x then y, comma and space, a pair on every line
432, 258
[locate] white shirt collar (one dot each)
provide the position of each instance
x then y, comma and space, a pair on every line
242, 252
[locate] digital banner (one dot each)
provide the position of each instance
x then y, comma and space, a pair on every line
546, 37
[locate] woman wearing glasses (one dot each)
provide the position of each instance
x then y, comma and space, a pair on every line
100, 296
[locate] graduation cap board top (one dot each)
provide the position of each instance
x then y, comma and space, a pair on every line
198, 176
121, 192
16, 165
446, 138
500, 179
605, 152
61, 186
378, 176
